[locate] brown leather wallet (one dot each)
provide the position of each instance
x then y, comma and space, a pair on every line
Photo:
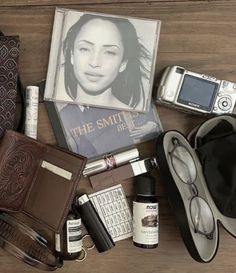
37, 179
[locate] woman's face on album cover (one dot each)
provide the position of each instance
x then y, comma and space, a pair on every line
98, 55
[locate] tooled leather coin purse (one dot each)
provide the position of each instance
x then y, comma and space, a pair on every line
200, 178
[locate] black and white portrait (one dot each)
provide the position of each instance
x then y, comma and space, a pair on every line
102, 60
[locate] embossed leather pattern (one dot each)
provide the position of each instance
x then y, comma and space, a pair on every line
25, 185
9, 53
18, 165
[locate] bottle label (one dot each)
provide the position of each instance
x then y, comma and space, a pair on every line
31, 113
74, 242
145, 223
58, 242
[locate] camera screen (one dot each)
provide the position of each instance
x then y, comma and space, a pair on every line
197, 92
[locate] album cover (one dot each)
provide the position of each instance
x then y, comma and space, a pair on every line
102, 60
93, 132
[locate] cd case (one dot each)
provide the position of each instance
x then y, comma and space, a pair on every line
102, 60
93, 132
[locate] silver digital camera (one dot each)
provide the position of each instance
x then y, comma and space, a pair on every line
195, 92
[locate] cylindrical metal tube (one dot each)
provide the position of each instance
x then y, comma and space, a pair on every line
94, 225
110, 161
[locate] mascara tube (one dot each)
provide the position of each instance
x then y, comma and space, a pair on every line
94, 225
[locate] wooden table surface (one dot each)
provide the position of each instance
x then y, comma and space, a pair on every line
199, 35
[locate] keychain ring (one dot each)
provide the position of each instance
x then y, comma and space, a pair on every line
84, 250
92, 244
84, 256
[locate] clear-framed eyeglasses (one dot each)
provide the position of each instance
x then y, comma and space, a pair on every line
186, 170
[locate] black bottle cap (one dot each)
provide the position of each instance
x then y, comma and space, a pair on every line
145, 185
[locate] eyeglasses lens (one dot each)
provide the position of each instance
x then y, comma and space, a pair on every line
184, 165
201, 214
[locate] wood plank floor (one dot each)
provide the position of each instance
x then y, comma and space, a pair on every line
200, 35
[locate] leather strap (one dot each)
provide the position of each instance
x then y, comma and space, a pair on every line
20, 91
26, 244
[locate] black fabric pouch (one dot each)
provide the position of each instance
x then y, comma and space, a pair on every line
217, 153
11, 90
199, 174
